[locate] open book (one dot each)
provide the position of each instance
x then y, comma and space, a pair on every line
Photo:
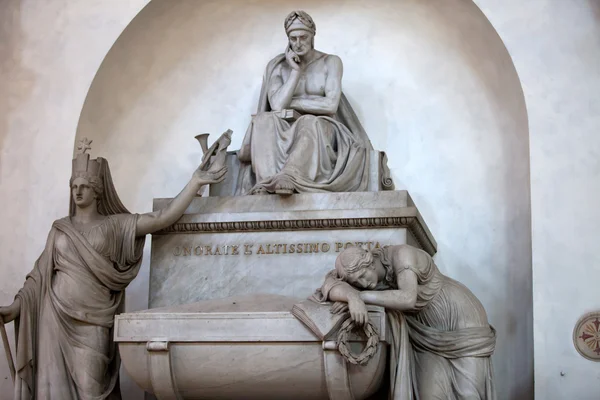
318, 318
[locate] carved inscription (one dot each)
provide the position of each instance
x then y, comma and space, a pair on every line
249, 249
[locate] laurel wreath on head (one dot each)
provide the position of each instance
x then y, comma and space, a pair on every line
370, 349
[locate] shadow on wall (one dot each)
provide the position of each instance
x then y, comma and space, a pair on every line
595, 6
17, 90
431, 82
15, 93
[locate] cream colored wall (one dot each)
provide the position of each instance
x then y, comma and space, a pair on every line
556, 49
50, 52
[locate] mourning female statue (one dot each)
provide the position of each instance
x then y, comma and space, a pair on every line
441, 339
305, 136
64, 313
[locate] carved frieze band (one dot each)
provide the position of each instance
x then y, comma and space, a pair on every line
411, 223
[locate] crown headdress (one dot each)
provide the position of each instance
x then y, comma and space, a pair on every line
82, 165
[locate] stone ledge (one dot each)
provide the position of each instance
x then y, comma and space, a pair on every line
319, 211
298, 202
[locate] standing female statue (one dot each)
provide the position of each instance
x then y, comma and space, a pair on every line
64, 313
441, 339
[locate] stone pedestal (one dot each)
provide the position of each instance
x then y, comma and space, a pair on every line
248, 260
379, 179
245, 347
226, 246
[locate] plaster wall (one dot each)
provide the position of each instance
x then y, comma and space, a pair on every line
556, 49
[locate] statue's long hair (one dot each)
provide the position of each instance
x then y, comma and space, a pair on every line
109, 202
390, 276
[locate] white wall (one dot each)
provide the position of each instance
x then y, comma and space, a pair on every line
50, 52
556, 49
431, 81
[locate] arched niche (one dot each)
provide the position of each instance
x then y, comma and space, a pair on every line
432, 83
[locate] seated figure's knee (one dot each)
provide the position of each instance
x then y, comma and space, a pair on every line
307, 120
311, 126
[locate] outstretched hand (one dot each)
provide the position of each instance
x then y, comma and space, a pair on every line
210, 176
10, 313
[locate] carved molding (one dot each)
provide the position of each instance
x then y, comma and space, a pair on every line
412, 223
386, 181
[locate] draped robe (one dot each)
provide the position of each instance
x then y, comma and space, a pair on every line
316, 153
65, 347
440, 350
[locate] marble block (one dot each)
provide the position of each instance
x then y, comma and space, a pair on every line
232, 185
243, 347
225, 246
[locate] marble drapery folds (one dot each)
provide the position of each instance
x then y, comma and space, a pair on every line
68, 302
316, 153
442, 348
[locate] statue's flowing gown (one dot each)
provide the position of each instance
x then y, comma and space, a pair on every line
65, 348
442, 349
316, 153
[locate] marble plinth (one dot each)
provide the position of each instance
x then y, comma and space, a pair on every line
248, 347
232, 185
224, 246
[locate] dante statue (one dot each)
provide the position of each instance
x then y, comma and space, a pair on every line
305, 136
64, 313
441, 340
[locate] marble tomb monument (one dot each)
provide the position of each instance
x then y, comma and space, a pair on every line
305, 204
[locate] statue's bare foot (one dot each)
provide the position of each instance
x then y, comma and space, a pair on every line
284, 187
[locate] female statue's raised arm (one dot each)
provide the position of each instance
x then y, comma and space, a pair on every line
157, 220
78, 283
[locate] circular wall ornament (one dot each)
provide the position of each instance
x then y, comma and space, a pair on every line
586, 336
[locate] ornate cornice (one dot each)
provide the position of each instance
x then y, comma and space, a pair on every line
412, 223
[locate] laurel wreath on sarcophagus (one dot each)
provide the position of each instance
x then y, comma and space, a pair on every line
344, 347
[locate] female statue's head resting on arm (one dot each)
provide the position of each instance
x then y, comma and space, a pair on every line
359, 268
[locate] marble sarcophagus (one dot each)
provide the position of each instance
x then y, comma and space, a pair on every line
247, 347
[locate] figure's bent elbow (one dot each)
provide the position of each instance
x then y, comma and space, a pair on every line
276, 106
332, 106
411, 304
275, 102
